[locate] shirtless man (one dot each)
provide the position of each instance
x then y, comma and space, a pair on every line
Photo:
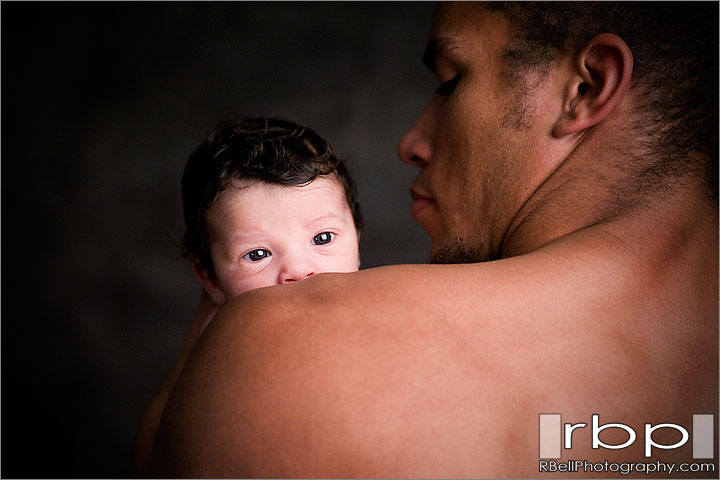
580, 191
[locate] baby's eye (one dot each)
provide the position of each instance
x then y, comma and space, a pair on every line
323, 238
257, 255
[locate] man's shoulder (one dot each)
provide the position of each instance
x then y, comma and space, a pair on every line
350, 375
412, 299
339, 375
407, 371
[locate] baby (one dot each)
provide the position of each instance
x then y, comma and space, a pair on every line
266, 202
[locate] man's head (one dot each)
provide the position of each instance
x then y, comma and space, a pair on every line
675, 70
524, 84
252, 192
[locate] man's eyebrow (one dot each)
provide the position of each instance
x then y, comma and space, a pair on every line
435, 48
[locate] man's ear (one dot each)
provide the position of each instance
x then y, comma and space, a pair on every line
601, 78
208, 282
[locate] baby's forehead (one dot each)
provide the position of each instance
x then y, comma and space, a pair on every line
250, 199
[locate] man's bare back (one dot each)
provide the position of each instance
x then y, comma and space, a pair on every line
598, 304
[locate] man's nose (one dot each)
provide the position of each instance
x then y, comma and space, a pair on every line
416, 146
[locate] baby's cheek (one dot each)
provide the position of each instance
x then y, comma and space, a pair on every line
349, 261
244, 282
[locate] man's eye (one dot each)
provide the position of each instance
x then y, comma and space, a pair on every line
323, 238
257, 255
448, 87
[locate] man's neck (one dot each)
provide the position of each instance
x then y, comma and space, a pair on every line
592, 190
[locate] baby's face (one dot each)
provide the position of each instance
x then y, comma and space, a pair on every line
265, 234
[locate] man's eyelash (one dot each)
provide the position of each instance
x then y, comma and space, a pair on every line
447, 88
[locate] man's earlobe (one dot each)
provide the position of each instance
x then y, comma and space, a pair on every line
208, 282
601, 79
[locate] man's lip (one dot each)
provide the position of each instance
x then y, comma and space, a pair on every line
419, 205
420, 202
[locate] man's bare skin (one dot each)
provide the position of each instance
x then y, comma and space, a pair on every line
600, 304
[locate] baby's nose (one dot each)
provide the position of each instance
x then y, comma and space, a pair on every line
294, 272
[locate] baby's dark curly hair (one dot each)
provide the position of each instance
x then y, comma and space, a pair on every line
270, 150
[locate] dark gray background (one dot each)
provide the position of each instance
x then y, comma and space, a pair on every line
101, 106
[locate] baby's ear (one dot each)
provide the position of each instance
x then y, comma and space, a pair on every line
208, 282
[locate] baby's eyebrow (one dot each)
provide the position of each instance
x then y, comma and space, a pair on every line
244, 237
326, 216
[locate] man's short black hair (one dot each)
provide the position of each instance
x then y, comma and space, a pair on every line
270, 150
675, 50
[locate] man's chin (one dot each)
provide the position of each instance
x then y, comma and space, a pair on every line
458, 253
